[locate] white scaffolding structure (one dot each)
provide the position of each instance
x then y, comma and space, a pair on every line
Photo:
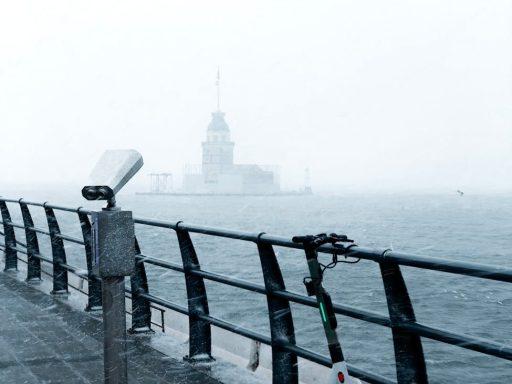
160, 182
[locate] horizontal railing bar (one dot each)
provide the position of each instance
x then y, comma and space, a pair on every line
9, 200
229, 281
236, 329
160, 263
22, 226
472, 343
484, 271
42, 231
60, 207
206, 274
205, 230
21, 243
219, 232
39, 230
44, 258
129, 296
13, 224
46, 204
164, 303
356, 313
34, 203
154, 223
75, 270
17, 241
15, 248
212, 320
69, 238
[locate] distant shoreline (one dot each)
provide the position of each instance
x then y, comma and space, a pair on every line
291, 193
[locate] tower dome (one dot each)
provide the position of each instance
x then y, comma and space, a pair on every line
218, 123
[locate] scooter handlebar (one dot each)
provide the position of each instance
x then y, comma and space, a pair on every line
321, 239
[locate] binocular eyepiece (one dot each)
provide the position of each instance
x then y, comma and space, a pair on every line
97, 192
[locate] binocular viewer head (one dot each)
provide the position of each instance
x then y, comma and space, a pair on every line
102, 192
114, 169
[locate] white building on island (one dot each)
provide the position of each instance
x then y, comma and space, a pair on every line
218, 174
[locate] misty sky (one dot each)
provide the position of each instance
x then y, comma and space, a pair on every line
392, 95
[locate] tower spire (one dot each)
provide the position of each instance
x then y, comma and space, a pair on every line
217, 83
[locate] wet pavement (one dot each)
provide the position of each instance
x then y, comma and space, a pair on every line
43, 340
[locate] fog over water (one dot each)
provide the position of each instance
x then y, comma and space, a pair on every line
370, 95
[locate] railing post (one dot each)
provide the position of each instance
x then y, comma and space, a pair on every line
200, 339
410, 362
60, 274
33, 263
11, 256
93, 283
284, 363
141, 309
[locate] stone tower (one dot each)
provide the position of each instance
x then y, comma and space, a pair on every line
217, 149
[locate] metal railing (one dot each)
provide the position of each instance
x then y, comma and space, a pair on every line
406, 331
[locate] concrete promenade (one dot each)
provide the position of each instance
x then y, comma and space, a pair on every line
43, 340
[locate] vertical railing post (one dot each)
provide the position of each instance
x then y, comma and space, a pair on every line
200, 339
93, 283
284, 363
410, 362
11, 256
141, 307
33, 262
60, 274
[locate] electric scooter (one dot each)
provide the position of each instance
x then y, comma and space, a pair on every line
339, 373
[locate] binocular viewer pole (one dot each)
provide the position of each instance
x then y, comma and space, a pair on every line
113, 251
115, 357
115, 259
113, 240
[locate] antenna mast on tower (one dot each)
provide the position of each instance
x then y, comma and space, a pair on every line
217, 83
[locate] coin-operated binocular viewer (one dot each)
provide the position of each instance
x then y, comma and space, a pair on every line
113, 249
